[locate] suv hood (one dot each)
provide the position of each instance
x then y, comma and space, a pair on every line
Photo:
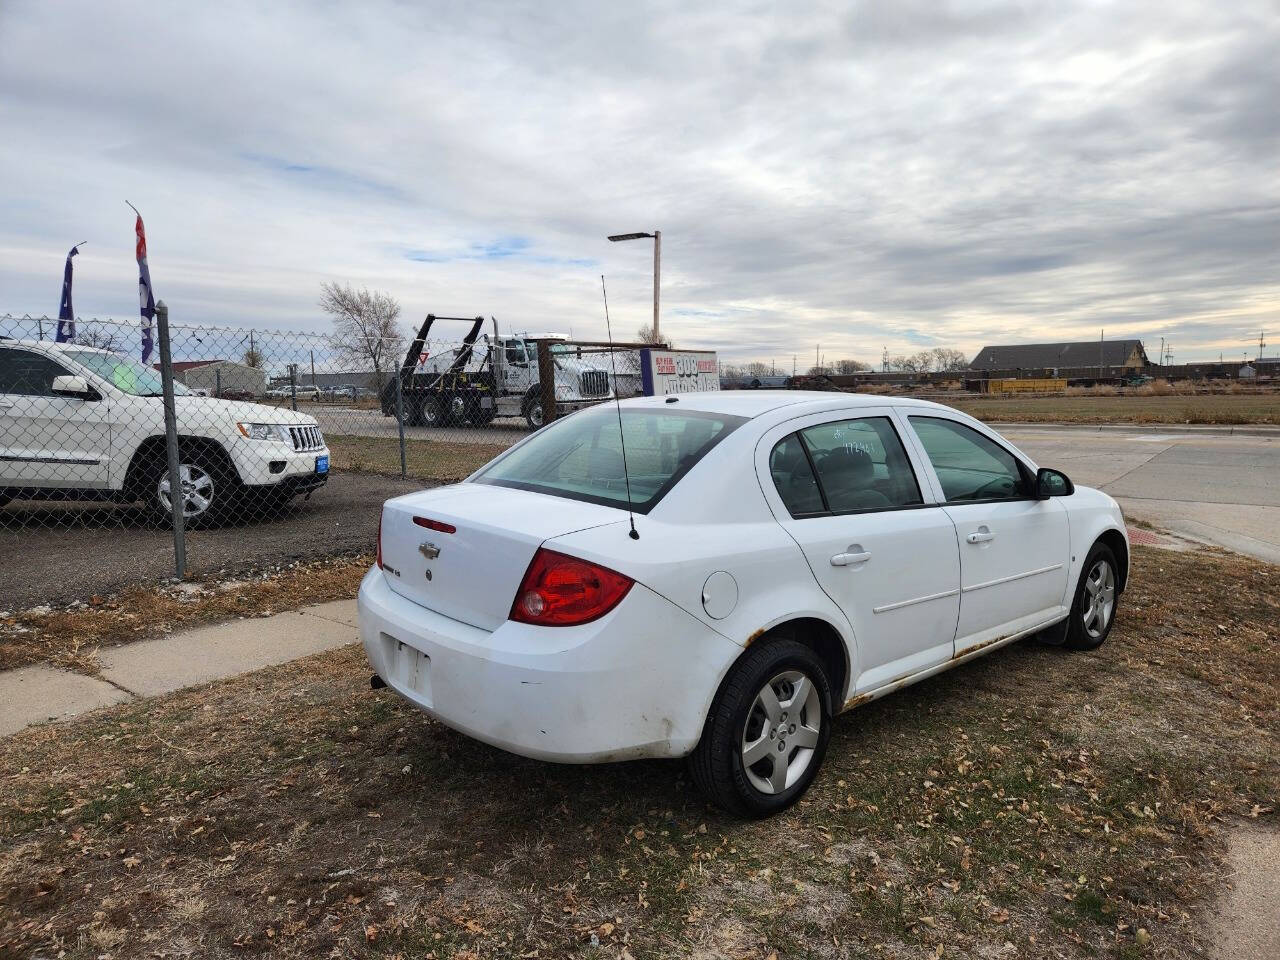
213, 410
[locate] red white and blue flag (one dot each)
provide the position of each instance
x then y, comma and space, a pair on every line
146, 301
66, 312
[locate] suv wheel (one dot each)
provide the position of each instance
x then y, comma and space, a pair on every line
206, 487
767, 731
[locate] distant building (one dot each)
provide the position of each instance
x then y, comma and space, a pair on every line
220, 376
1112, 355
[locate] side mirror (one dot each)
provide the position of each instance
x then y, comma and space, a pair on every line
67, 386
1053, 483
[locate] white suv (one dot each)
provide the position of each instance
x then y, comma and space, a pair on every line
81, 423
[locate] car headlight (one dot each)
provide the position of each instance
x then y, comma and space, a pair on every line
263, 431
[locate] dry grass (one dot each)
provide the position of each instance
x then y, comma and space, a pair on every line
426, 459
1036, 803
1132, 407
70, 636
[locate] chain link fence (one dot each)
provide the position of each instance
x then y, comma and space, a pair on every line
265, 425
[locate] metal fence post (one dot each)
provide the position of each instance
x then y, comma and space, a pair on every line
547, 380
293, 386
177, 496
400, 418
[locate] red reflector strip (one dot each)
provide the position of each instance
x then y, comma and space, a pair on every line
435, 525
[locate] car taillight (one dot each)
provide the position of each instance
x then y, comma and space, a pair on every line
562, 591
379, 541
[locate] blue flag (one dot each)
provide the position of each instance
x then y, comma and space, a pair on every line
66, 312
146, 302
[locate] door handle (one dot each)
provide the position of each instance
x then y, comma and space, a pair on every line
845, 559
982, 536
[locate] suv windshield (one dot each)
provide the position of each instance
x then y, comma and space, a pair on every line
127, 376
580, 457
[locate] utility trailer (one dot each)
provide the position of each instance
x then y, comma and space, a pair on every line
489, 376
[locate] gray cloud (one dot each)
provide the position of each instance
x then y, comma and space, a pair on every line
864, 176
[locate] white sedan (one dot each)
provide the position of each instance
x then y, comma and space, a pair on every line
756, 563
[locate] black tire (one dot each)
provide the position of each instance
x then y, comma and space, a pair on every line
717, 764
1083, 632
213, 478
533, 413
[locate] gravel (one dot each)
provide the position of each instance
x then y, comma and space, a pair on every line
61, 552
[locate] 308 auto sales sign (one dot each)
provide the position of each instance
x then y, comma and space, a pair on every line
678, 371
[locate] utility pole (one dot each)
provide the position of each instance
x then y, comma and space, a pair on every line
313, 368
1162, 351
1261, 343
1102, 336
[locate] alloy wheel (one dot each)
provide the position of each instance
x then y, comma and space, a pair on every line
1099, 599
197, 490
781, 732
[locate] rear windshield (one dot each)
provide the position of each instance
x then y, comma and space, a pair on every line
580, 457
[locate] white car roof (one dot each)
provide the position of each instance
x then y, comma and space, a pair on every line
754, 403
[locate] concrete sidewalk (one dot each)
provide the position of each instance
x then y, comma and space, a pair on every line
39, 693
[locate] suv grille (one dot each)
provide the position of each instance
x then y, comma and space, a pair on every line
594, 383
306, 438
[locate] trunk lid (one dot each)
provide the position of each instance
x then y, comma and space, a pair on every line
478, 567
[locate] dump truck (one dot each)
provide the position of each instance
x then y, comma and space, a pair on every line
488, 376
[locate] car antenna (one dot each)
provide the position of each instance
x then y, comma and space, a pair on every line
622, 437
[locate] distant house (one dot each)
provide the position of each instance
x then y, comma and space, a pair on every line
225, 376
1110, 354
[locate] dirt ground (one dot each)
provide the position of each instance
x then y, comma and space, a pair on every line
1034, 803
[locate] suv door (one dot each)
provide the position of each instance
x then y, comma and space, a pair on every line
47, 440
1015, 550
845, 488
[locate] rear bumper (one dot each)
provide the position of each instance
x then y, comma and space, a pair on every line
636, 683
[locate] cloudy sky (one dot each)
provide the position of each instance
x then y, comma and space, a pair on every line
862, 175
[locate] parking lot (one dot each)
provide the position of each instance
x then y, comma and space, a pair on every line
1224, 490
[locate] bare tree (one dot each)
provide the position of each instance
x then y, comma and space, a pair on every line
645, 335
819, 371
730, 371
364, 327
101, 339
847, 367
758, 369
946, 360
253, 357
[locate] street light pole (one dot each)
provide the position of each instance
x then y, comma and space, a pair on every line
657, 280
657, 270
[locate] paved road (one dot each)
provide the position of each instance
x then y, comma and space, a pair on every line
1223, 490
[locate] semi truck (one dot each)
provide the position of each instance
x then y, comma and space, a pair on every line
491, 375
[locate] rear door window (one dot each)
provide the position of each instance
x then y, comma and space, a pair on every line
844, 467
581, 456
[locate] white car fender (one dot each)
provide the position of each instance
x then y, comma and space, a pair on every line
1091, 514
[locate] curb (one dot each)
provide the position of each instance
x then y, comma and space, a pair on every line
1186, 429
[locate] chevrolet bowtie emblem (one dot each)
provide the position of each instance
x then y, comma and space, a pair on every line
429, 550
